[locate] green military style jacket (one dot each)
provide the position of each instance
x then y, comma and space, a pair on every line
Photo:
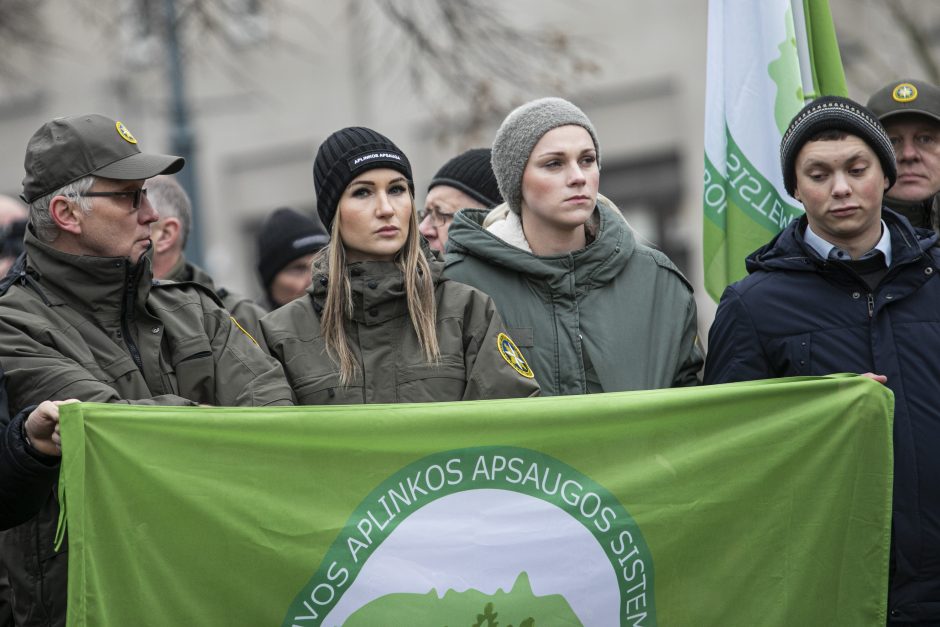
99, 329
246, 312
613, 316
478, 359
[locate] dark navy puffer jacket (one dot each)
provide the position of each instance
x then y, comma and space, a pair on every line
798, 314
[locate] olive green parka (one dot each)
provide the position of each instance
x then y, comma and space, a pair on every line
474, 361
613, 316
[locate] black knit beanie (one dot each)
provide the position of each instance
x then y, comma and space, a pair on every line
346, 154
472, 173
835, 112
286, 235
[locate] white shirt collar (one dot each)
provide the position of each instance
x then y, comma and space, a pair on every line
828, 250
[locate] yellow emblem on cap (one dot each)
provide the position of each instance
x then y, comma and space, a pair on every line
513, 356
123, 132
905, 92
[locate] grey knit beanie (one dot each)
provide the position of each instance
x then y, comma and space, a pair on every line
521, 131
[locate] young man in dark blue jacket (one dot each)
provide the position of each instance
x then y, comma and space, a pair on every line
851, 287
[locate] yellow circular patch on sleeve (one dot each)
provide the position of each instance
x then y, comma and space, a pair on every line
905, 92
123, 132
513, 356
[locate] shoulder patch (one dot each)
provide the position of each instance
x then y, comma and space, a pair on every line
513, 356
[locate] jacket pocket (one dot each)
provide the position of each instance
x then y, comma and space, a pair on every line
327, 389
429, 383
194, 368
112, 371
791, 355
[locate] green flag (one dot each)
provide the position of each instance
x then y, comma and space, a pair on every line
764, 503
765, 61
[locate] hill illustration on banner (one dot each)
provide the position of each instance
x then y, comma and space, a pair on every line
519, 607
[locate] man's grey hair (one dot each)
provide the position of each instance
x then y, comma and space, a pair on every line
170, 200
44, 226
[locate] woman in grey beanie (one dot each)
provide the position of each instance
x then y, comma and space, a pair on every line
595, 310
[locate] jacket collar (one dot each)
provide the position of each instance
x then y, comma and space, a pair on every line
183, 271
94, 285
788, 250
595, 264
377, 288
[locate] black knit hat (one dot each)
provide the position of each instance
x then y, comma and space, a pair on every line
346, 154
472, 173
286, 235
835, 112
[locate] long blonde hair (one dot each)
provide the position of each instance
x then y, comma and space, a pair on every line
419, 294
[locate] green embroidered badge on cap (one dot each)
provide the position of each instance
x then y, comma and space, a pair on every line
905, 92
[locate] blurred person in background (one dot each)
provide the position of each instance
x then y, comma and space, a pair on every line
286, 244
13, 217
170, 234
465, 182
909, 110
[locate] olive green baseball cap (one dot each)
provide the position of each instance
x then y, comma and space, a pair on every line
906, 96
69, 148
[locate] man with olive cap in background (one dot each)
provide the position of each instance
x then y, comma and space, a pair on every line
81, 317
910, 112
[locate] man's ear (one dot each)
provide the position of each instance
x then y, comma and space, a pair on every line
67, 215
796, 194
166, 235
887, 183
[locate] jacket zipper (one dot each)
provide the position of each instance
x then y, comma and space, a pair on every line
871, 305
129, 292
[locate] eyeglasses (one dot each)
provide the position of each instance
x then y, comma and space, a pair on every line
437, 218
137, 195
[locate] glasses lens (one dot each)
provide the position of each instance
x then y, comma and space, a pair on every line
139, 195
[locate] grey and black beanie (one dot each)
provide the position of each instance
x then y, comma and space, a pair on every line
521, 131
346, 154
837, 113
472, 173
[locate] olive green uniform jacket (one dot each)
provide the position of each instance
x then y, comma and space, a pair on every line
613, 316
98, 329
392, 366
246, 312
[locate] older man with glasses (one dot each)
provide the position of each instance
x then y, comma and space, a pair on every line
82, 318
465, 182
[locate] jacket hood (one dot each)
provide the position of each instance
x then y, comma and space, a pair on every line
595, 264
788, 251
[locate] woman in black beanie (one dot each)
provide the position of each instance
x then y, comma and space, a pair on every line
379, 324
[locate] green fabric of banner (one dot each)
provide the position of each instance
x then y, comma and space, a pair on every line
761, 503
